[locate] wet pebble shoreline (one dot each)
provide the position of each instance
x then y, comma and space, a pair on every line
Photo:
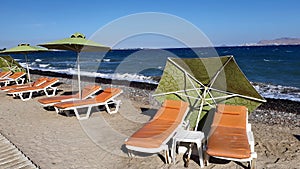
273, 112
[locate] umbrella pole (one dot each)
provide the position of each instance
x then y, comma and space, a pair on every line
28, 74
78, 67
201, 107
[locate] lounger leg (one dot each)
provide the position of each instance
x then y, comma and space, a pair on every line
252, 164
57, 110
6, 83
84, 117
25, 99
116, 109
200, 153
206, 159
53, 91
167, 157
173, 151
21, 81
189, 152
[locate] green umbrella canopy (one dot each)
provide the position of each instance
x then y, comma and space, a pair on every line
77, 42
206, 82
7, 63
25, 49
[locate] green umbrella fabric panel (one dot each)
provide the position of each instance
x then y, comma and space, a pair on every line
7, 63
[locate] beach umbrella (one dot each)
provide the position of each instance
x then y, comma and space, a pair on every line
7, 63
77, 43
25, 49
205, 82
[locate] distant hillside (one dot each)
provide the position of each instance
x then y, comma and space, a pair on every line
280, 41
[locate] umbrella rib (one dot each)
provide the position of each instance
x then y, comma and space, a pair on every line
218, 72
223, 97
194, 86
212, 98
239, 95
176, 92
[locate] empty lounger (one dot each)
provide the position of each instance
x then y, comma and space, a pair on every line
17, 77
87, 92
105, 98
230, 137
154, 135
45, 87
38, 82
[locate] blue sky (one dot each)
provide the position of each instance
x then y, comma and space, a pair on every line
229, 22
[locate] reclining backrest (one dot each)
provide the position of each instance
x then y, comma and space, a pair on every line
107, 94
87, 90
40, 81
230, 116
172, 110
4, 74
17, 75
48, 82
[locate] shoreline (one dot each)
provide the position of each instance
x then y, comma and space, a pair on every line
282, 105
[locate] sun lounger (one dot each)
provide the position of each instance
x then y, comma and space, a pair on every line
106, 98
38, 82
230, 137
45, 87
17, 78
155, 135
87, 92
4, 75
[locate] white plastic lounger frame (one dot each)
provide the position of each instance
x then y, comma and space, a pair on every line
46, 89
90, 106
164, 146
20, 80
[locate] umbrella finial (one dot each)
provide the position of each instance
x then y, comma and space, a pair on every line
23, 44
78, 35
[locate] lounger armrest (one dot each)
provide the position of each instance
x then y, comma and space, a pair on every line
248, 127
251, 140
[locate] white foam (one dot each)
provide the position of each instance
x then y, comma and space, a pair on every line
113, 76
278, 91
38, 60
43, 65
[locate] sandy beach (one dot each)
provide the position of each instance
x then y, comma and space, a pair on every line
56, 141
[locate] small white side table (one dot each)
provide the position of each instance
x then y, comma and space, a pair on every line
196, 137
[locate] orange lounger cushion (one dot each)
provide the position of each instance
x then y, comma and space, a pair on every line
5, 74
38, 82
107, 94
42, 86
56, 99
86, 92
230, 116
231, 109
172, 110
102, 97
228, 142
154, 133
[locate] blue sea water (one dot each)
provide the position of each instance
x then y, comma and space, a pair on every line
274, 69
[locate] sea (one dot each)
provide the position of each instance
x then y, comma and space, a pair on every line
273, 70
